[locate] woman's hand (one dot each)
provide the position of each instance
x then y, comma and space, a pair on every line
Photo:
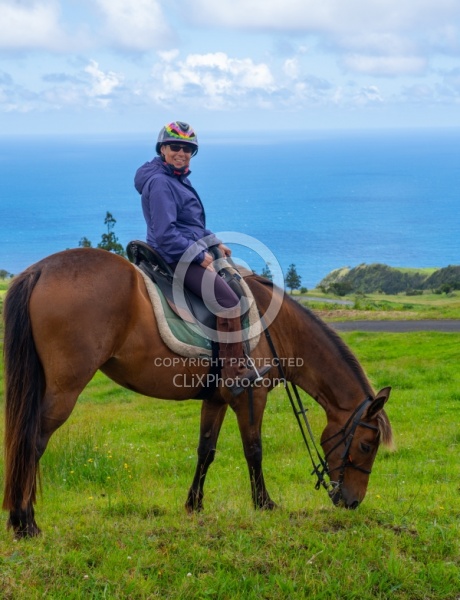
207, 261
225, 250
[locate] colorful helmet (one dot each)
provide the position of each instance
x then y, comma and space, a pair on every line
178, 131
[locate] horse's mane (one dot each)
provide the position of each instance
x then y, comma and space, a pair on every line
304, 312
344, 351
386, 433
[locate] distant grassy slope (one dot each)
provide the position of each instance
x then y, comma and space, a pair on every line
377, 277
424, 270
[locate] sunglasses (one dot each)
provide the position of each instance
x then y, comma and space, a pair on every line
179, 147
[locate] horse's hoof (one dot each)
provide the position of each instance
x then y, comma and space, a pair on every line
27, 532
191, 510
193, 506
22, 532
267, 505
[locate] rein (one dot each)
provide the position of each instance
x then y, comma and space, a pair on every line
346, 433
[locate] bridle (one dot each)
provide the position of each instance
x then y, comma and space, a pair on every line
345, 434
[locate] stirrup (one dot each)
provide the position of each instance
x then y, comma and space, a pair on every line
249, 379
259, 374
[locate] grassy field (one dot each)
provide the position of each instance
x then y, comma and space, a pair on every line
383, 306
115, 479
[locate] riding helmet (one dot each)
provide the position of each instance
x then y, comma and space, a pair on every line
177, 131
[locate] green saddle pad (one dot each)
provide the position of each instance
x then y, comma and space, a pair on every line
185, 332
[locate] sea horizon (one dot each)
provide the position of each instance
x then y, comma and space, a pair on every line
329, 200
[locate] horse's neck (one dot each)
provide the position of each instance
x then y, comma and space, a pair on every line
323, 365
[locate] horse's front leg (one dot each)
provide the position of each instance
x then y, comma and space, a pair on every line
212, 416
250, 425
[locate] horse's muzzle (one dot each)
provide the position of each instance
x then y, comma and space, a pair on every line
337, 498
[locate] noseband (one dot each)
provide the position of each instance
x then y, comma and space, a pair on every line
345, 435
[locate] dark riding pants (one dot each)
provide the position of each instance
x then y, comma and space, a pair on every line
210, 286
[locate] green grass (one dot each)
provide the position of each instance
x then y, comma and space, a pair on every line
383, 306
424, 270
115, 479
3, 288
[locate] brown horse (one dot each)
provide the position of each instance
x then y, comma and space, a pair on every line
85, 309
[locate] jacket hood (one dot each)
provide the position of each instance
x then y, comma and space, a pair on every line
149, 169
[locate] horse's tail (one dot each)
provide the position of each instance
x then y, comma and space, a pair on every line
24, 388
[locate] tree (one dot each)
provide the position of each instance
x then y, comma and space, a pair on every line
84, 243
340, 288
266, 272
109, 240
4, 274
446, 288
293, 279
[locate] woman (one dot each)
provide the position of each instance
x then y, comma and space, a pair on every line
176, 226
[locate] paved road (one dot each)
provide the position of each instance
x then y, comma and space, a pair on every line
445, 325
325, 300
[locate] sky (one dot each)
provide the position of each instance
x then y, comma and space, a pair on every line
105, 66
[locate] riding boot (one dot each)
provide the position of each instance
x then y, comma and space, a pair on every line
235, 371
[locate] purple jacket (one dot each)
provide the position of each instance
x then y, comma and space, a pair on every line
173, 211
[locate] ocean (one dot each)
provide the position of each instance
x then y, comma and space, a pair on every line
318, 200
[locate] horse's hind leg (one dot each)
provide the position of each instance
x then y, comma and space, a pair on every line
55, 410
22, 521
250, 425
212, 416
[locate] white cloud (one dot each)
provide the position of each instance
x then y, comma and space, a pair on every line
89, 87
402, 35
389, 66
30, 25
14, 98
293, 15
446, 38
220, 82
169, 55
378, 43
383, 37
368, 95
291, 68
61, 97
418, 93
137, 25
312, 16
52, 25
102, 84
215, 78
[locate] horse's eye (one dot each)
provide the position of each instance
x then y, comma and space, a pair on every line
365, 448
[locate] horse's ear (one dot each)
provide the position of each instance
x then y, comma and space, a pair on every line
379, 402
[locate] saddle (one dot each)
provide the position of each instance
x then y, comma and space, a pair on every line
157, 269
